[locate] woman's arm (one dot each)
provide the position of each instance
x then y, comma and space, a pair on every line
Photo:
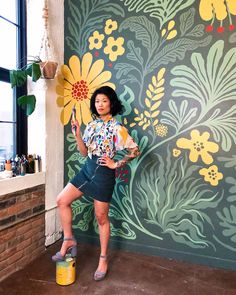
80, 143
133, 153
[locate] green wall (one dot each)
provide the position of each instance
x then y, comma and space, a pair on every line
172, 63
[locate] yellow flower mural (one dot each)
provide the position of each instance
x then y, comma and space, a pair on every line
95, 41
79, 81
211, 175
199, 146
161, 130
114, 48
176, 152
169, 33
217, 9
110, 26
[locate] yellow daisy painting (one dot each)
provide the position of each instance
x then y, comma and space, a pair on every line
78, 82
199, 146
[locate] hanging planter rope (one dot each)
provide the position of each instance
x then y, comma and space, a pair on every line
48, 67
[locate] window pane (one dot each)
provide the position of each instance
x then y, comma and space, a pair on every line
8, 9
7, 140
6, 102
8, 44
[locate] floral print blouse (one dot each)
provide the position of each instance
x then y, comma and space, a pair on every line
104, 138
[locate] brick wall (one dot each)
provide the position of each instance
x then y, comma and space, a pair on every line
22, 228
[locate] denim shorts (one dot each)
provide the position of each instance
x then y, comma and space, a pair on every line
95, 180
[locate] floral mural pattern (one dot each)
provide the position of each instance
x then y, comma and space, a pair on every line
176, 77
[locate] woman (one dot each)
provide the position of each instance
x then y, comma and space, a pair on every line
102, 138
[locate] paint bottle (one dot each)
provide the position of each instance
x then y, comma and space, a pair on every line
36, 165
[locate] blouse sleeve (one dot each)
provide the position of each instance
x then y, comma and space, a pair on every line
122, 139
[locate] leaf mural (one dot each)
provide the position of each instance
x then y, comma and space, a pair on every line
176, 51
228, 161
126, 98
154, 94
83, 213
209, 81
162, 47
223, 127
85, 16
228, 222
170, 196
144, 30
178, 118
232, 190
163, 10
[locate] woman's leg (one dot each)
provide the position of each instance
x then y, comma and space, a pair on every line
64, 200
101, 212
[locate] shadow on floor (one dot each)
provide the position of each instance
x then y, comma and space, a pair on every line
129, 274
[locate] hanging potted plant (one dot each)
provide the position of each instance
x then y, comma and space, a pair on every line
35, 68
19, 77
48, 67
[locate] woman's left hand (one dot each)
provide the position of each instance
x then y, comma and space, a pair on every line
106, 161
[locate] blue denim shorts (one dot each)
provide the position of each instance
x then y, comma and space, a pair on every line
95, 180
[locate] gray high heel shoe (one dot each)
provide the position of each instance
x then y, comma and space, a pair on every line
72, 250
100, 275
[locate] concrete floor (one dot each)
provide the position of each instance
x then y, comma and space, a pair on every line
129, 274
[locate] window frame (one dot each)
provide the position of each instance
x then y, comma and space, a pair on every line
20, 118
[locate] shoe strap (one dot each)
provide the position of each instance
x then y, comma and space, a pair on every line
69, 239
103, 256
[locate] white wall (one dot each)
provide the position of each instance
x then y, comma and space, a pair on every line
46, 133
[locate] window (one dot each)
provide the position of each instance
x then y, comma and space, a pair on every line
13, 121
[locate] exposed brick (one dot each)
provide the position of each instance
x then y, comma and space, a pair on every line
24, 244
7, 203
24, 214
12, 195
13, 258
35, 188
2, 248
7, 220
18, 208
7, 234
39, 208
3, 213
22, 237
8, 252
24, 228
38, 222
23, 198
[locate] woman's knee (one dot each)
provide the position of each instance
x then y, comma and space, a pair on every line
102, 218
62, 200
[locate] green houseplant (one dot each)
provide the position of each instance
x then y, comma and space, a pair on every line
19, 77
35, 69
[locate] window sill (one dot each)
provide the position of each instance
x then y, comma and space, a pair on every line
14, 184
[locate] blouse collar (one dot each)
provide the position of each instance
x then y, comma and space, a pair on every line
106, 120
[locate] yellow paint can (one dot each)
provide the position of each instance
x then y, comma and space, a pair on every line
65, 271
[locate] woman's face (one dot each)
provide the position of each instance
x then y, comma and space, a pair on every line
102, 104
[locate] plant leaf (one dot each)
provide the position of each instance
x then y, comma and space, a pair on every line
187, 20
27, 102
18, 77
144, 30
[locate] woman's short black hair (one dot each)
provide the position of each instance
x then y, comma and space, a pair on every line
116, 105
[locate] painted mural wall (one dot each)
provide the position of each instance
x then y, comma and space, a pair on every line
172, 62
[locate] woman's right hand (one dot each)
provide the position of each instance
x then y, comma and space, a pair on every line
75, 127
